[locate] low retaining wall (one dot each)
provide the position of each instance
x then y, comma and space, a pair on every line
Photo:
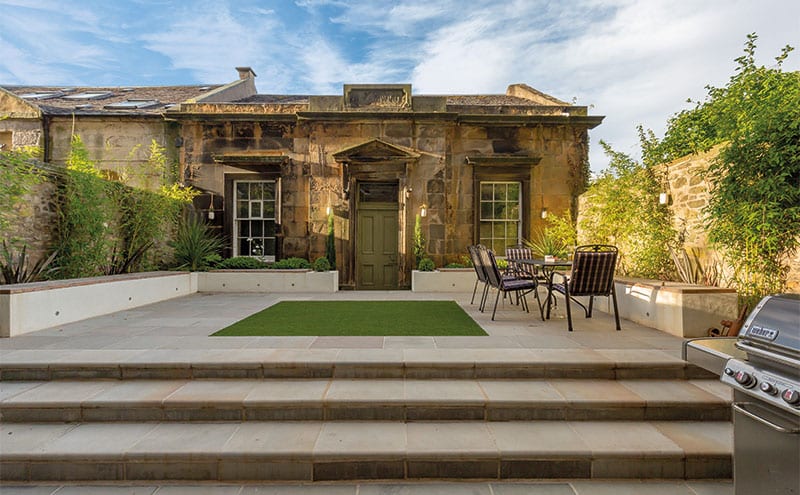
444, 280
29, 307
267, 281
682, 310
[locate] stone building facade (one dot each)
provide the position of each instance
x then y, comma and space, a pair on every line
272, 168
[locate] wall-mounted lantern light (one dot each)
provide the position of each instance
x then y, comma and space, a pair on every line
211, 214
544, 212
328, 210
663, 198
423, 210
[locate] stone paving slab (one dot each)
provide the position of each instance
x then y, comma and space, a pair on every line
355, 450
354, 399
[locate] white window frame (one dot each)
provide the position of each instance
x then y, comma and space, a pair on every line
251, 205
508, 242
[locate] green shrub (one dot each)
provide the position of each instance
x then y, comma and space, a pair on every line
545, 243
241, 263
426, 265
15, 267
456, 265
322, 264
196, 247
291, 264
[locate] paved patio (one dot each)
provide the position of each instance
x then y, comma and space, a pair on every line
178, 331
186, 323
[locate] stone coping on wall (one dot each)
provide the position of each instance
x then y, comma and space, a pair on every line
670, 286
77, 282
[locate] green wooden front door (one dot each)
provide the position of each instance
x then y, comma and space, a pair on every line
376, 248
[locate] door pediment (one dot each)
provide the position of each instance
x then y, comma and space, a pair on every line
375, 150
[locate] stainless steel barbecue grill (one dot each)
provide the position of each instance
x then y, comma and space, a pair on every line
766, 395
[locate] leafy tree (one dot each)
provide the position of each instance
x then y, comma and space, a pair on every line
623, 210
754, 209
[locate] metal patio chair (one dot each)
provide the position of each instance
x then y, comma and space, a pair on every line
592, 275
508, 284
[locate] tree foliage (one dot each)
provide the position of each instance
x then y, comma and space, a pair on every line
754, 210
18, 175
623, 210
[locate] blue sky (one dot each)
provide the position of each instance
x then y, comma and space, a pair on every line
634, 61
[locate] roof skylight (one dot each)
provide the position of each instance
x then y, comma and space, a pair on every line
132, 104
42, 95
90, 95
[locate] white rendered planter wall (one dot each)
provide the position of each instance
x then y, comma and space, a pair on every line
267, 281
443, 280
29, 307
682, 310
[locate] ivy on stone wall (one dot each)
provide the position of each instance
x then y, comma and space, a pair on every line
18, 174
754, 209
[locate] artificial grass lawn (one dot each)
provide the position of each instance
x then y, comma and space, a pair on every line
393, 318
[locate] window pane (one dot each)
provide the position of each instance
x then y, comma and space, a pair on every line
486, 191
513, 192
499, 246
500, 192
499, 210
269, 228
513, 211
244, 247
255, 209
269, 209
269, 191
244, 229
242, 211
486, 211
257, 228
269, 247
255, 190
499, 230
375, 192
241, 190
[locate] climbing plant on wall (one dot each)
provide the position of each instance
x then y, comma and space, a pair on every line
754, 209
108, 227
622, 209
85, 236
18, 175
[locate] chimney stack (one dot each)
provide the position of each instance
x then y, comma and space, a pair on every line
245, 72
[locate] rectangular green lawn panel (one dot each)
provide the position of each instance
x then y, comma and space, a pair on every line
387, 318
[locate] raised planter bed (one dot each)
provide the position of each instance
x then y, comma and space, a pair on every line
443, 280
683, 310
267, 281
29, 307
35, 306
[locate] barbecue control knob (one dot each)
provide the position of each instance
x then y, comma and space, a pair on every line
768, 388
745, 379
791, 397
729, 371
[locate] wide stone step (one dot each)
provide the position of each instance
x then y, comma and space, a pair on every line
354, 450
546, 487
346, 363
359, 399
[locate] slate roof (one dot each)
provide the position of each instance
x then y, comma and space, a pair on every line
153, 99
455, 100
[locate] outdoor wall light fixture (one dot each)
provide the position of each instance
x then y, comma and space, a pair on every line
211, 214
544, 212
663, 198
328, 210
423, 210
